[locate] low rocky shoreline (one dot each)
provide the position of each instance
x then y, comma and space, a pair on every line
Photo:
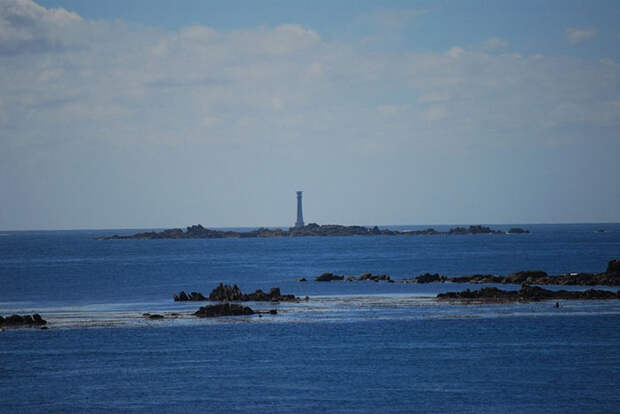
611, 277
525, 294
199, 232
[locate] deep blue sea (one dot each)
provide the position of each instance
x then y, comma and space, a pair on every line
352, 347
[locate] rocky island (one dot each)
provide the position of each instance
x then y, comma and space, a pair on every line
199, 232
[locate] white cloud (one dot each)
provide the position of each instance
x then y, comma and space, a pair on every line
579, 35
279, 99
27, 27
494, 43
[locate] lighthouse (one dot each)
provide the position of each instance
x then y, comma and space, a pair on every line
300, 214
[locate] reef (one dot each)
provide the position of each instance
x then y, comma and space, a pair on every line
526, 294
223, 309
227, 293
328, 277
611, 277
312, 229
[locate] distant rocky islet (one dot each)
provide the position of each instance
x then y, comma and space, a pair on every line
199, 232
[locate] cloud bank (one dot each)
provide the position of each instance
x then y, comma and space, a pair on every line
102, 121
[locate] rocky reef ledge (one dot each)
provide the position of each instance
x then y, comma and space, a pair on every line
525, 294
611, 277
328, 277
199, 232
18, 321
223, 309
227, 293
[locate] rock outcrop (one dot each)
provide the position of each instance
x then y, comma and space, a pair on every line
328, 277
227, 293
370, 277
611, 277
426, 278
15, 321
526, 294
223, 309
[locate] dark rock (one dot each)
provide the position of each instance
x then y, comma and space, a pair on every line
38, 320
473, 230
613, 266
328, 277
523, 276
517, 230
302, 279
526, 294
537, 277
156, 316
273, 311
223, 309
26, 320
226, 293
429, 278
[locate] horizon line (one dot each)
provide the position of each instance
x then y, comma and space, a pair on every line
288, 226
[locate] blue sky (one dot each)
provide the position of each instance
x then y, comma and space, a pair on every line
158, 113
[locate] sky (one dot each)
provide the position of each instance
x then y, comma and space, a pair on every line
152, 113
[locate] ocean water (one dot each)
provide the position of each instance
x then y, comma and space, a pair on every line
352, 347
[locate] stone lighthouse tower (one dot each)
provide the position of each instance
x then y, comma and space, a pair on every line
300, 214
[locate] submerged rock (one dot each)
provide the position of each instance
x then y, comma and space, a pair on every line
223, 309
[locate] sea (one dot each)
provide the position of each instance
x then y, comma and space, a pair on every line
352, 347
